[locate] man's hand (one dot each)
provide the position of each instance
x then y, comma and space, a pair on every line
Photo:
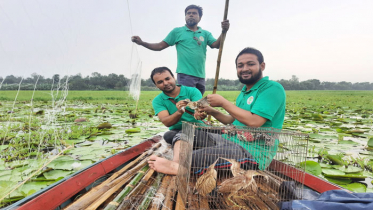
225, 25
181, 106
208, 110
137, 40
200, 114
216, 100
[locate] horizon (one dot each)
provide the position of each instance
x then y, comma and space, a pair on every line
329, 40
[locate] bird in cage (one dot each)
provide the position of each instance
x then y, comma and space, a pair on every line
207, 182
244, 182
235, 167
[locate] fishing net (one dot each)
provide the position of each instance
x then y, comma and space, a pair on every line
224, 167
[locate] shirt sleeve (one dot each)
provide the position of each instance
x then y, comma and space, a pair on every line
269, 101
210, 38
158, 106
171, 38
195, 94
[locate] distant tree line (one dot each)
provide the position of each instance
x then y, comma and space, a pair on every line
97, 81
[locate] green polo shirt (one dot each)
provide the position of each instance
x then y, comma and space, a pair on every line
191, 53
161, 102
267, 99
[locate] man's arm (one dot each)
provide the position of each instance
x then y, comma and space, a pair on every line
170, 120
223, 118
225, 27
245, 117
151, 46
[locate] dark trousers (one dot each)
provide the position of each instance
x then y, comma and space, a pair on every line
192, 81
208, 147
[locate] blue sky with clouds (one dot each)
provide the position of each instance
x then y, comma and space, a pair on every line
313, 39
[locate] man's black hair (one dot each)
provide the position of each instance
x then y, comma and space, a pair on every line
192, 6
160, 70
250, 50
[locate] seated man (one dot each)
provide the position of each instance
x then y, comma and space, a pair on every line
261, 103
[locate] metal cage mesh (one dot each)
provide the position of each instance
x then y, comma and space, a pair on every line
239, 167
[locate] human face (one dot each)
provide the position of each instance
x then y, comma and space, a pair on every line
192, 17
165, 82
249, 71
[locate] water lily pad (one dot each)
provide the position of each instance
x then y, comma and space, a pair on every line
356, 187
105, 125
349, 142
312, 167
32, 187
339, 181
6, 187
2, 147
333, 172
349, 169
133, 130
55, 174
323, 165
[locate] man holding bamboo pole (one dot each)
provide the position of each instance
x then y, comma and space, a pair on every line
191, 42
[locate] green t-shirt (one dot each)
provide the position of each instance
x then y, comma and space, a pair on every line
267, 99
161, 102
191, 49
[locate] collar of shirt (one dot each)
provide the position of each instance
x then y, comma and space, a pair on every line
182, 93
198, 29
256, 86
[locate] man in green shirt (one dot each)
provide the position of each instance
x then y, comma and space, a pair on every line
170, 114
261, 103
191, 42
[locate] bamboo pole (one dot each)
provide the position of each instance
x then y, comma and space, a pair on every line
161, 192
150, 193
179, 203
222, 39
170, 194
137, 190
103, 190
119, 198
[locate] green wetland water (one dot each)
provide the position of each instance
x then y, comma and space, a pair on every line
98, 124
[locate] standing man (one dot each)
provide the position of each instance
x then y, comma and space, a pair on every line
261, 103
191, 42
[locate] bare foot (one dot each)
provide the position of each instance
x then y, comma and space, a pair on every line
163, 165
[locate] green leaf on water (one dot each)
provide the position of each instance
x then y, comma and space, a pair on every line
349, 169
370, 142
2, 147
55, 174
356, 187
32, 187
332, 172
349, 142
323, 165
339, 181
312, 167
133, 130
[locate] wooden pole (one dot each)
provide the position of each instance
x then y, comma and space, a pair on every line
222, 39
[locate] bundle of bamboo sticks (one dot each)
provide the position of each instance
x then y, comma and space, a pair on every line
135, 186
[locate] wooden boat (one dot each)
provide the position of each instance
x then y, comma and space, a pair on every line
60, 194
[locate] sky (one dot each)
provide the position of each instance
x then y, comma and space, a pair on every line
329, 40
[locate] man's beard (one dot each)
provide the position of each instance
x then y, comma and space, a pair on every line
170, 90
253, 79
191, 22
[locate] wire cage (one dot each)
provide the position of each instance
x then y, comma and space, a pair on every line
237, 167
